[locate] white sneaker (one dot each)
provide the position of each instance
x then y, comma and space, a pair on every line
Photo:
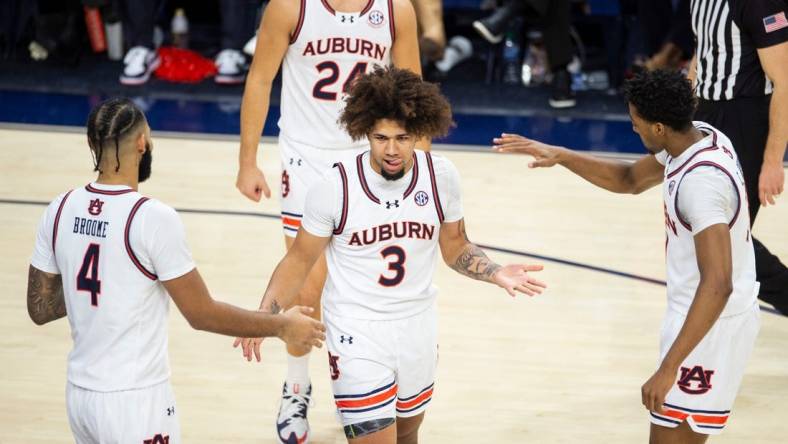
292, 426
230, 66
139, 63
251, 46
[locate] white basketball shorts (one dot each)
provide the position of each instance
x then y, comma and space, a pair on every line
143, 416
302, 166
708, 380
381, 369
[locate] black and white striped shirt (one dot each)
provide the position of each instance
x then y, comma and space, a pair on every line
728, 34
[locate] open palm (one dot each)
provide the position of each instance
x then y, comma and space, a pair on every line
544, 155
515, 277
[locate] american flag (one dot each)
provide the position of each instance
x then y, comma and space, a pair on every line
775, 22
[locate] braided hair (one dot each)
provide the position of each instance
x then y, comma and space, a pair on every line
111, 120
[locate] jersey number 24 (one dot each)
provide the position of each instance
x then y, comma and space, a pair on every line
322, 89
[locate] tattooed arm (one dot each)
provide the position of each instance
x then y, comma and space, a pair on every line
45, 301
463, 256
468, 259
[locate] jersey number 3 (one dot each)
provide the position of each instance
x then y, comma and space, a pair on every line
397, 265
320, 92
90, 266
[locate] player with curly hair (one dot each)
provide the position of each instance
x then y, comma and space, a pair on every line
381, 220
713, 316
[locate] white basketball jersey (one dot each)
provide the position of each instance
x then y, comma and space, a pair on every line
382, 254
116, 305
683, 275
327, 51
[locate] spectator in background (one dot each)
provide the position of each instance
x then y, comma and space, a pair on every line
553, 18
432, 36
667, 32
141, 59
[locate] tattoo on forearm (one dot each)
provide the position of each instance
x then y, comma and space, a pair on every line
275, 308
45, 301
472, 261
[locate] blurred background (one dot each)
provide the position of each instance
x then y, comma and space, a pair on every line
551, 69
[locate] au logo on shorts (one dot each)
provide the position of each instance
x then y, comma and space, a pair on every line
158, 439
695, 381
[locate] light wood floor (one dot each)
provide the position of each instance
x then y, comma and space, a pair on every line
565, 367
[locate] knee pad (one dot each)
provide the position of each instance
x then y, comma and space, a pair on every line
364, 428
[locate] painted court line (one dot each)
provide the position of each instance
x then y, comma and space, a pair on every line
541, 257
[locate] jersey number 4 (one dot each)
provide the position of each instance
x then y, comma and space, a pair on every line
397, 265
90, 266
320, 92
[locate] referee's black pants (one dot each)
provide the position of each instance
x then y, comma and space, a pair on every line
746, 123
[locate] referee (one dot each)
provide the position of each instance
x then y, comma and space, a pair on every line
740, 70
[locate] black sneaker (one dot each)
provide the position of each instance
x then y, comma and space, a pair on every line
493, 27
562, 96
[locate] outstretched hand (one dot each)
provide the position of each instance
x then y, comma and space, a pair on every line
544, 155
515, 277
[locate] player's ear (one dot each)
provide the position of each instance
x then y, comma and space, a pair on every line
139, 143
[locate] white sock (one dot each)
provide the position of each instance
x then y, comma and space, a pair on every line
297, 372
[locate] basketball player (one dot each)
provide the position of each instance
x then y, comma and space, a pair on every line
108, 258
381, 217
322, 46
713, 316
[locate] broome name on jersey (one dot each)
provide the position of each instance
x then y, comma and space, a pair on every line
90, 227
338, 45
382, 233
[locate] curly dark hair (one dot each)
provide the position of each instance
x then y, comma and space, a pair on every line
663, 96
399, 95
111, 121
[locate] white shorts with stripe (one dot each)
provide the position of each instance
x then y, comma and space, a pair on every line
382, 369
302, 166
142, 416
708, 380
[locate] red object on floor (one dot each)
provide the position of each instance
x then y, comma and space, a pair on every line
95, 27
183, 66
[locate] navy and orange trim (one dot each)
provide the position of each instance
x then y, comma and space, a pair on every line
684, 223
375, 399
707, 419
434, 183
343, 218
291, 221
127, 240
414, 179
392, 28
95, 190
57, 219
301, 15
363, 179
415, 402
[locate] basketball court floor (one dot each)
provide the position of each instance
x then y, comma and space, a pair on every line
563, 367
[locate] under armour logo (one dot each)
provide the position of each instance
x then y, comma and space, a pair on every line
295, 161
348, 18
703, 378
95, 207
170, 411
343, 338
394, 204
